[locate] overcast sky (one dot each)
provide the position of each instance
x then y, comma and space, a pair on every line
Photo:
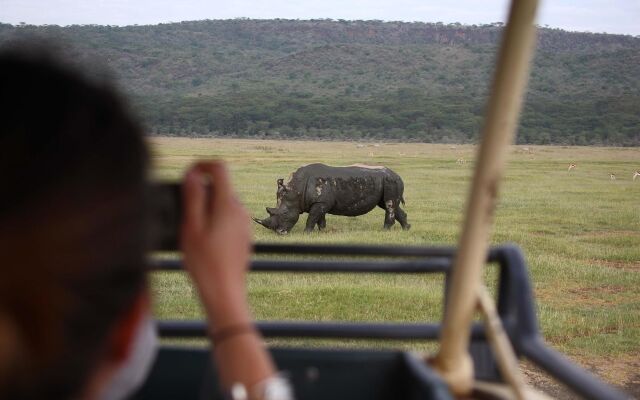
611, 16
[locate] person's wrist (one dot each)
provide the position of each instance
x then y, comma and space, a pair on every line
224, 319
219, 335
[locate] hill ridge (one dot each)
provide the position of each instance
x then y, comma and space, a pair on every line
354, 79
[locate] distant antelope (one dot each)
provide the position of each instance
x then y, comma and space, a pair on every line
571, 166
460, 161
612, 176
636, 174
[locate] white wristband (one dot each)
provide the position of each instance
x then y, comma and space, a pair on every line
276, 387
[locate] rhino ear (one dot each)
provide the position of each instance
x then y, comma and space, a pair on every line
272, 211
280, 182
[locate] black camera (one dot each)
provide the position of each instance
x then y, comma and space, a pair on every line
166, 215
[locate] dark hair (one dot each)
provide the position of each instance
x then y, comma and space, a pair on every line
72, 223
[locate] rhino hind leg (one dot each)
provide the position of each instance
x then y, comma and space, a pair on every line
389, 214
393, 213
401, 217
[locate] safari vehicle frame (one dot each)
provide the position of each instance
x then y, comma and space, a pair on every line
363, 374
473, 360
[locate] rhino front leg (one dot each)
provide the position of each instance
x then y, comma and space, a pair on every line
316, 214
322, 222
389, 214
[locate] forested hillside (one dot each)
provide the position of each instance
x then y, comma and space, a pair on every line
356, 79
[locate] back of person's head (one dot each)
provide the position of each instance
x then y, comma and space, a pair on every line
72, 224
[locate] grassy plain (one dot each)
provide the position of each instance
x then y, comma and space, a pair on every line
580, 232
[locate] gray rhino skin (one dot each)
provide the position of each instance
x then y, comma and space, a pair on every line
319, 189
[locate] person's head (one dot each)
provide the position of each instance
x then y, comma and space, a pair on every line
72, 228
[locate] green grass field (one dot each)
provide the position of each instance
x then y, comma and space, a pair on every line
580, 232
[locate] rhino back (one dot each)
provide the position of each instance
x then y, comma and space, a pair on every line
351, 191
356, 170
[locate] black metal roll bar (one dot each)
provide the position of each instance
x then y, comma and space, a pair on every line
515, 305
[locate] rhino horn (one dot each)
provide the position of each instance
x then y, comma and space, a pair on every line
260, 221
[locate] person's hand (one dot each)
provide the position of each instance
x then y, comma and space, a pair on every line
216, 242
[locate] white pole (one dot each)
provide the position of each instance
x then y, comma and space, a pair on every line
512, 69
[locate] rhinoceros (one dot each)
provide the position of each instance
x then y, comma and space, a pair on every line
320, 189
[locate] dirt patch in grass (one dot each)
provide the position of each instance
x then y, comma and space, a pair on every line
622, 371
623, 265
600, 234
602, 289
598, 295
536, 378
542, 233
583, 294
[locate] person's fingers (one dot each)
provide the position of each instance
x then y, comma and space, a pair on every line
193, 199
222, 190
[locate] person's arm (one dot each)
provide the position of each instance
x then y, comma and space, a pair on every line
216, 241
